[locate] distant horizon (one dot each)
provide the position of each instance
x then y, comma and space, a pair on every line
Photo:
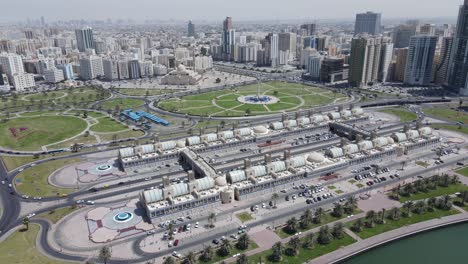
211, 10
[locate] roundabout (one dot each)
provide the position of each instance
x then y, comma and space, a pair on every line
250, 100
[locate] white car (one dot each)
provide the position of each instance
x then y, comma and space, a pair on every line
80, 201
176, 255
90, 202
31, 215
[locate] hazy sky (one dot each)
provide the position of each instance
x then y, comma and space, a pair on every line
13, 10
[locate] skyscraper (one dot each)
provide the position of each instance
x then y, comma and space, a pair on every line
287, 42
270, 44
458, 67
84, 39
385, 59
369, 23
420, 60
401, 56
310, 29
402, 35
445, 55
364, 61
191, 29
228, 39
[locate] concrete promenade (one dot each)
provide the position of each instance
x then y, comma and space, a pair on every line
369, 243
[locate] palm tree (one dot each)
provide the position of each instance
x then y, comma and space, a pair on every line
225, 247
277, 251
408, 206
420, 207
370, 218
294, 243
190, 258
382, 216
212, 219
350, 205
170, 231
357, 225
291, 225
395, 213
464, 197
324, 237
26, 222
338, 230
318, 215
338, 210
242, 259
105, 254
309, 241
243, 242
207, 254
306, 218
274, 198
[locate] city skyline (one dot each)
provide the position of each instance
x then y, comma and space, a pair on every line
210, 10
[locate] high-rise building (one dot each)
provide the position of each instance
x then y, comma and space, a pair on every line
111, 69
67, 71
310, 29
402, 35
313, 66
445, 55
228, 39
386, 54
91, 67
458, 67
364, 61
29, 34
84, 39
332, 70
401, 56
134, 69
53, 75
420, 60
369, 23
427, 29
270, 44
287, 42
191, 29
12, 65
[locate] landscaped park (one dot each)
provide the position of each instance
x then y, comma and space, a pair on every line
286, 97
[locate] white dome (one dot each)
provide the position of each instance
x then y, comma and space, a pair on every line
181, 68
181, 143
260, 130
315, 157
220, 181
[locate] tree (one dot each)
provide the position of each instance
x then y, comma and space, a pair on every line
408, 206
324, 237
225, 248
212, 219
394, 214
218, 80
420, 207
350, 205
190, 258
207, 254
277, 251
105, 254
291, 225
248, 111
306, 218
170, 231
294, 243
75, 147
242, 259
243, 242
318, 215
274, 198
370, 218
309, 241
338, 210
26, 222
338, 230
169, 260
357, 225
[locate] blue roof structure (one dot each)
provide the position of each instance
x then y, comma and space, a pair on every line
153, 118
132, 115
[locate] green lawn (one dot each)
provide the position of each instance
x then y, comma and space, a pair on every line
440, 191
305, 255
107, 124
35, 113
34, 181
30, 133
403, 114
121, 135
13, 162
326, 218
403, 221
422, 163
244, 217
143, 92
57, 214
446, 113
289, 94
234, 250
463, 171
24, 241
453, 128
122, 103
45, 96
